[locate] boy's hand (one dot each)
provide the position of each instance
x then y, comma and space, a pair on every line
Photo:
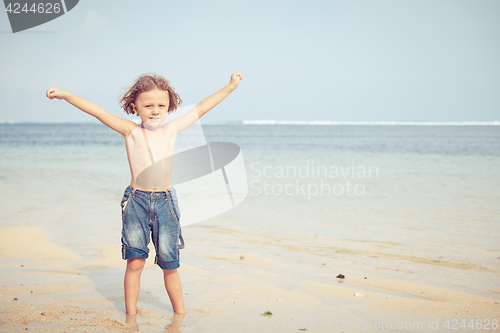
55, 93
235, 79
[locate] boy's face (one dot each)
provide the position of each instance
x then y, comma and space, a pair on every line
151, 104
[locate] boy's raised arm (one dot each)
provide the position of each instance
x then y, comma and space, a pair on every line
122, 126
181, 123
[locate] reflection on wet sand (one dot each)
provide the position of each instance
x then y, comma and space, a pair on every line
175, 324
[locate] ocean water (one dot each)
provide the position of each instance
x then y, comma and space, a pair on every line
419, 199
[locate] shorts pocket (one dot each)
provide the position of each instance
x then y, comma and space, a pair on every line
124, 204
175, 208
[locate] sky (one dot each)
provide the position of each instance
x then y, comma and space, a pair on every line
377, 60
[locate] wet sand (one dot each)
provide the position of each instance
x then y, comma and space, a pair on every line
47, 288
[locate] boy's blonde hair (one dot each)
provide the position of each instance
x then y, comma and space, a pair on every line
147, 82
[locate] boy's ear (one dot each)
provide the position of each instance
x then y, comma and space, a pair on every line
134, 108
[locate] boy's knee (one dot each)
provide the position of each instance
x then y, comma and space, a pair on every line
136, 264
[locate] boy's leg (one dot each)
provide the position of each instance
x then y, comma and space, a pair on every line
132, 284
174, 289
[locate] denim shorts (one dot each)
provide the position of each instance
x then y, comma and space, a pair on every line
154, 214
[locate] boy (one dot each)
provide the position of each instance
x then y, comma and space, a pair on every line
150, 202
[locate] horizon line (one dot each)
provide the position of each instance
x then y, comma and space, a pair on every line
296, 122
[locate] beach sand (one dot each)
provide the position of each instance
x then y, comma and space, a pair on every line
47, 288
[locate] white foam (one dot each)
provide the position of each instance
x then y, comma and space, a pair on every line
412, 123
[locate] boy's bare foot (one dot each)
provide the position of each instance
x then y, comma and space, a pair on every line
131, 319
175, 323
182, 313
